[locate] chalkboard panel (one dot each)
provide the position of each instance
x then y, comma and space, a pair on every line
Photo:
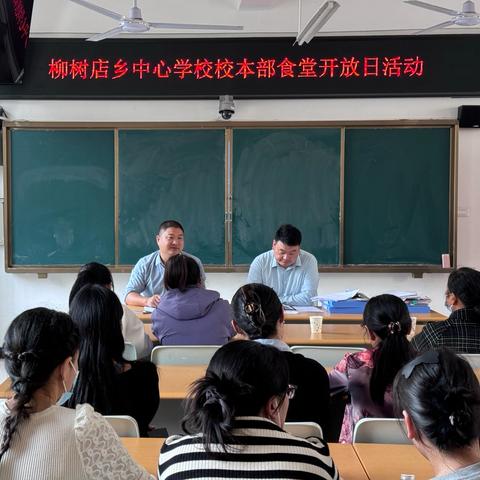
172, 174
61, 197
396, 195
65, 207
286, 176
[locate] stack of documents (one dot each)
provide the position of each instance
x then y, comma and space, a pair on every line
416, 303
346, 301
293, 309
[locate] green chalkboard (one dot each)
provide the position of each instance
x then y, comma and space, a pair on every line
378, 196
286, 176
172, 174
61, 197
397, 186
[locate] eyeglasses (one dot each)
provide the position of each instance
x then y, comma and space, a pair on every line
291, 391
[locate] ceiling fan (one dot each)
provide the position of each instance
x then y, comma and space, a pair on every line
134, 23
467, 17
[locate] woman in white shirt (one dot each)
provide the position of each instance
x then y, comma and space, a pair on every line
40, 439
132, 327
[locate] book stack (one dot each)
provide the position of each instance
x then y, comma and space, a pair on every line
416, 303
345, 302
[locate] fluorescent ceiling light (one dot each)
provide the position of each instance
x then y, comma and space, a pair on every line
317, 21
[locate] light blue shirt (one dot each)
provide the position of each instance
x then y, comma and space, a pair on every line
274, 342
295, 285
147, 275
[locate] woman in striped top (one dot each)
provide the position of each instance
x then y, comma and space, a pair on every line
234, 422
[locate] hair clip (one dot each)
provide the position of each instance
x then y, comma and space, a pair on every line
251, 307
394, 327
428, 357
452, 420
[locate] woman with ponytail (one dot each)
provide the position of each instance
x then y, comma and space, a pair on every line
368, 375
39, 439
258, 316
438, 395
234, 423
461, 331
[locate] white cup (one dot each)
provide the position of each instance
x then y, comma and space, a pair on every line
316, 323
412, 330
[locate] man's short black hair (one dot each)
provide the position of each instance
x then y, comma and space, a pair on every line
170, 224
289, 235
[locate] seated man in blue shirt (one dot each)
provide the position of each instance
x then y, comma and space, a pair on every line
290, 271
145, 285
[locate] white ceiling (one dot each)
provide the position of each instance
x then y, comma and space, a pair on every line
259, 17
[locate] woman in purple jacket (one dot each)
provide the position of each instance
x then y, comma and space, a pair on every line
189, 314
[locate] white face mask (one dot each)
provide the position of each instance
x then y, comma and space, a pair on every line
448, 307
67, 394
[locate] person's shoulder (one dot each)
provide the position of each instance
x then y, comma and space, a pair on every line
305, 362
307, 256
304, 369
143, 368
192, 256
183, 441
359, 359
263, 257
85, 417
147, 259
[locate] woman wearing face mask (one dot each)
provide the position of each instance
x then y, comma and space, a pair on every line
40, 439
106, 380
235, 419
461, 331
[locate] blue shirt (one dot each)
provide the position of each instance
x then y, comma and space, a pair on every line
295, 285
147, 275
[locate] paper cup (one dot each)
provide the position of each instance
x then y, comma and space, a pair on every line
316, 323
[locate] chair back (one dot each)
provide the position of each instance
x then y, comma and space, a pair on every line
130, 352
327, 356
472, 358
308, 430
183, 354
124, 425
381, 430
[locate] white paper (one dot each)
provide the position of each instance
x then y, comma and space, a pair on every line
306, 309
336, 296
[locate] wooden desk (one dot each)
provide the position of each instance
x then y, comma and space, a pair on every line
304, 317
174, 380
347, 462
389, 461
145, 451
299, 334
332, 334
336, 318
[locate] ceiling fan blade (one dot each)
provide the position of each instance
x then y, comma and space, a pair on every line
108, 34
435, 27
99, 9
429, 6
194, 26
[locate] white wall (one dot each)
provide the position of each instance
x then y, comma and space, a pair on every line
21, 291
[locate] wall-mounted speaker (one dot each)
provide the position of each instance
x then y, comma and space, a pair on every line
469, 116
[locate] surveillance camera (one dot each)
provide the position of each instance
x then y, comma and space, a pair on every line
226, 107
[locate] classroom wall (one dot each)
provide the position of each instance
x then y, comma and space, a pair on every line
21, 291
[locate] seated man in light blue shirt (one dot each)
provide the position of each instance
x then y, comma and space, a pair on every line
290, 271
145, 285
